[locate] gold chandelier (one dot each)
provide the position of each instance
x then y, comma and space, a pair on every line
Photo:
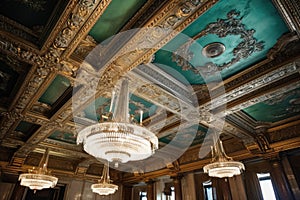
221, 165
40, 178
117, 138
104, 186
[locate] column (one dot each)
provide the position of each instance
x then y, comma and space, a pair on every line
127, 192
222, 188
279, 180
252, 186
177, 187
150, 190
18, 192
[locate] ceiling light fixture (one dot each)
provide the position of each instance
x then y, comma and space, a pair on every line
117, 138
221, 165
104, 186
40, 178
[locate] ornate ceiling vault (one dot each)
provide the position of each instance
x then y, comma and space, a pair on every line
190, 64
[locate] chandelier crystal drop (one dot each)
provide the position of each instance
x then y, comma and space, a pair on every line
116, 137
40, 178
104, 185
222, 165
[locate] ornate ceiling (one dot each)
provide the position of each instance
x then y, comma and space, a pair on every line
190, 64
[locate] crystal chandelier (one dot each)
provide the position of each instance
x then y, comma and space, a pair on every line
222, 165
104, 186
117, 138
40, 178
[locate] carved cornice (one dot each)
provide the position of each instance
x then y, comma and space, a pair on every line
289, 9
266, 95
285, 133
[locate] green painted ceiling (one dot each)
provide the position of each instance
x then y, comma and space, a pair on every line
114, 18
27, 129
258, 15
195, 133
102, 104
8, 79
63, 137
29, 13
279, 108
57, 88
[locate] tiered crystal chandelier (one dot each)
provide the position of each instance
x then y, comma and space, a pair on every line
117, 138
104, 186
40, 178
221, 165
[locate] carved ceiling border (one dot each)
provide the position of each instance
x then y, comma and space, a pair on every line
124, 62
290, 10
263, 97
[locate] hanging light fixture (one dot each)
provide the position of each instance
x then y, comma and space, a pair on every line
221, 165
40, 178
117, 138
104, 186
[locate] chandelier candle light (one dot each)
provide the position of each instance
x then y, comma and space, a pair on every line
40, 178
222, 165
116, 137
104, 186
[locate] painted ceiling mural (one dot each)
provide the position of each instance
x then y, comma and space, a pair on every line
253, 44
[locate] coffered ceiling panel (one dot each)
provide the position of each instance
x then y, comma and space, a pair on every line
31, 20
136, 104
228, 38
114, 18
278, 108
12, 75
63, 136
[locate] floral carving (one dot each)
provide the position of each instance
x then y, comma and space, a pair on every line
222, 27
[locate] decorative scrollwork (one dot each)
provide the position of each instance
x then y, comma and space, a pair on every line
222, 27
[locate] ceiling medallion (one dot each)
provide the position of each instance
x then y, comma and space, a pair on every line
232, 25
221, 165
104, 186
118, 138
213, 50
40, 178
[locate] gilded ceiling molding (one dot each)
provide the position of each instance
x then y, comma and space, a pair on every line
176, 15
282, 52
222, 27
149, 9
85, 46
284, 134
157, 76
260, 82
252, 86
80, 22
290, 10
263, 97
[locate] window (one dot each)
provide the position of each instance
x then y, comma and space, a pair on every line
208, 191
143, 195
266, 186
